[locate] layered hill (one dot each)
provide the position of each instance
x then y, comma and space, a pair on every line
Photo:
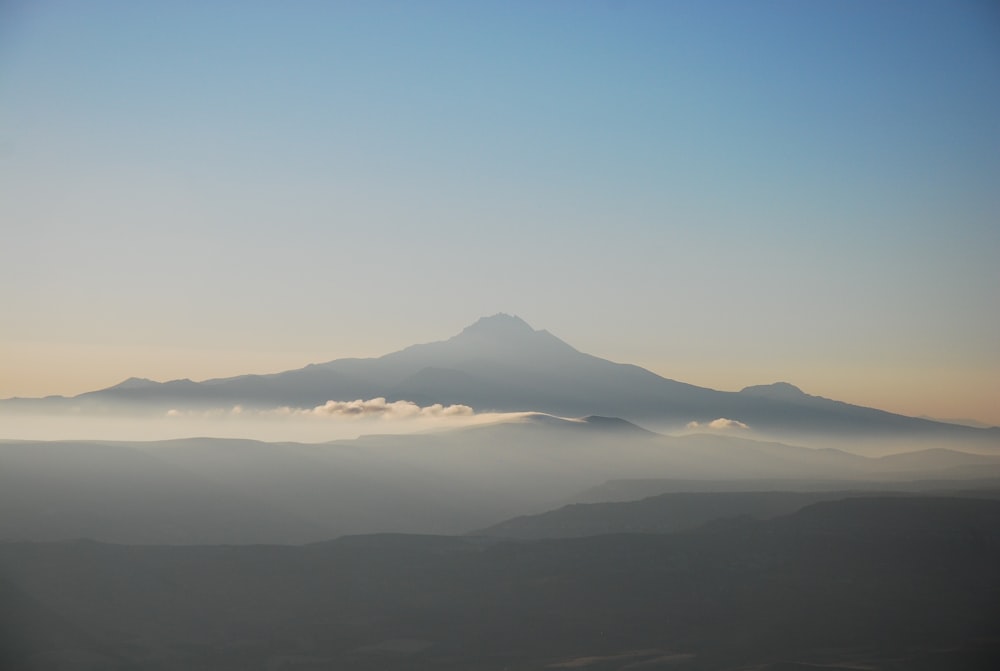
872, 583
204, 490
679, 511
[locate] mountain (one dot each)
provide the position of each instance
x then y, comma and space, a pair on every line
500, 363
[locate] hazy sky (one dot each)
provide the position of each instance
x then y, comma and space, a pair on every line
725, 193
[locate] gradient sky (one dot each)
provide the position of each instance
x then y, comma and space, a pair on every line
727, 193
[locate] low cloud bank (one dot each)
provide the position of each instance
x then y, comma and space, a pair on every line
379, 407
375, 408
331, 420
720, 424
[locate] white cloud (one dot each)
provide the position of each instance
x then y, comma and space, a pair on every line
379, 407
720, 424
375, 408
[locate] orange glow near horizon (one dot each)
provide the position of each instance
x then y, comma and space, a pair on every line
42, 369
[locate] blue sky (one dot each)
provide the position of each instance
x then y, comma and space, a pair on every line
726, 193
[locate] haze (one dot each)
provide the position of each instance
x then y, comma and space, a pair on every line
725, 193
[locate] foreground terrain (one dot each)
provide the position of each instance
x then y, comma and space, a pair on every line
870, 582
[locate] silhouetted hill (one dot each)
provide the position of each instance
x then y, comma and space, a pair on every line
861, 583
616, 425
665, 513
634, 489
500, 363
976, 520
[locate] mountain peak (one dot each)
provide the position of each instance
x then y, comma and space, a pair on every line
134, 383
504, 340
500, 324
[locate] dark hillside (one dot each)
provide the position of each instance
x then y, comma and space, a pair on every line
865, 583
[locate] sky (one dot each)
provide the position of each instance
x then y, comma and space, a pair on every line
726, 193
